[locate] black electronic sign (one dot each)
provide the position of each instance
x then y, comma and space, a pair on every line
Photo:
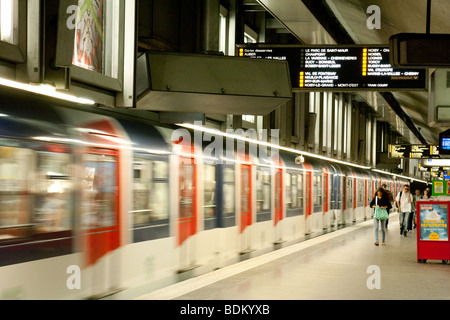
339, 68
413, 151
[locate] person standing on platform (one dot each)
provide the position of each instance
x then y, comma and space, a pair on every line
391, 200
404, 203
417, 197
380, 200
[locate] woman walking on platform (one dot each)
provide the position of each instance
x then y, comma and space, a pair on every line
381, 204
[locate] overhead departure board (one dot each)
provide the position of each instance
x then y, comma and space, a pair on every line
340, 68
414, 151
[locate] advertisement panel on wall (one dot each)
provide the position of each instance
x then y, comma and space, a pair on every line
432, 231
434, 222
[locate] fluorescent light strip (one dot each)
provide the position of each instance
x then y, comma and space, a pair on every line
227, 135
400, 176
102, 145
271, 145
45, 90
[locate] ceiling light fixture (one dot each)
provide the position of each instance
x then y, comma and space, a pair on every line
45, 90
270, 145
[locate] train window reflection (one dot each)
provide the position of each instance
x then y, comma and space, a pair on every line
160, 170
228, 190
294, 190
54, 187
245, 189
99, 191
278, 182
150, 191
289, 193
262, 189
35, 191
349, 192
318, 190
16, 170
186, 189
360, 192
300, 190
209, 205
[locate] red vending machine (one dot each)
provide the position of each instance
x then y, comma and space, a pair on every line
432, 231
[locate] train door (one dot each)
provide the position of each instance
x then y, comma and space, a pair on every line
100, 218
366, 196
278, 204
344, 199
326, 209
339, 200
308, 198
335, 205
332, 200
373, 188
245, 215
187, 219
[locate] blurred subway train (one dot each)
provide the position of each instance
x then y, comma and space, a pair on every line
95, 201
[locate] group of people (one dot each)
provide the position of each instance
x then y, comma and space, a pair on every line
406, 204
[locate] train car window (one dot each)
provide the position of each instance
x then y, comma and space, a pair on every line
294, 181
35, 192
318, 190
160, 171
294, 194
99, 191
228, 190
159, 191
349, 192
150, 190
209, 187
54, 188
341, 192
293, 198
300, 190
36, 188
186, 189
16, 172
263, 193
288, 186
360, 193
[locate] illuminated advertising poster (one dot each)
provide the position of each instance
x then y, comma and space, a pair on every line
89, 36
434, 222
438, 188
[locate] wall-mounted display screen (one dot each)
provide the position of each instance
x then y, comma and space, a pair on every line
339, 68
408, 151
444, 143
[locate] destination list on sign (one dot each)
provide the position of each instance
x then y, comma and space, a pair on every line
333, 67
345, 68
411, 151
322, 66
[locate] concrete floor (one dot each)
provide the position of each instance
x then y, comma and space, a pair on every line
344, 265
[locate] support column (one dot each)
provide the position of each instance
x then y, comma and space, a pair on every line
210, 26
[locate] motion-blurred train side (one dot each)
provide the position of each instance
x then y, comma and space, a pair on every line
93, 203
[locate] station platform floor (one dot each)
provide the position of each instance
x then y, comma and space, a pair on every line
334, 266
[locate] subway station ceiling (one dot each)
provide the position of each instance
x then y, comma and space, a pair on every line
398, 16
